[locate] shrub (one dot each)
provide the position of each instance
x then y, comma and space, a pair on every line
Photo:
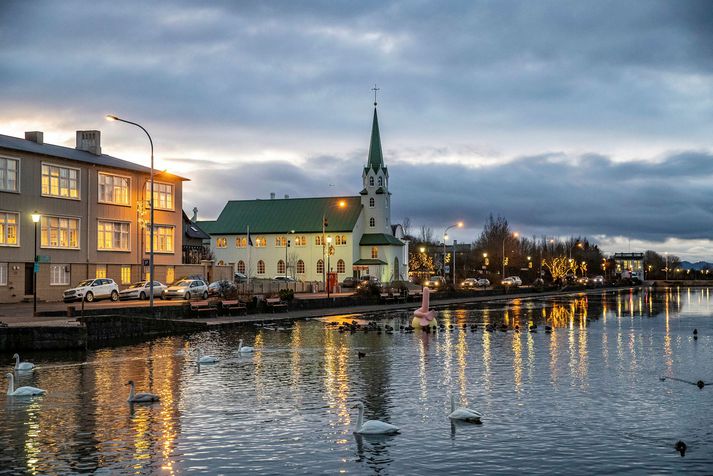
286, 294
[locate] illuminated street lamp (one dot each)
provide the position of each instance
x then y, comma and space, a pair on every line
36, 217
325, 224
514, 235
110, 117
445, 237
329, 253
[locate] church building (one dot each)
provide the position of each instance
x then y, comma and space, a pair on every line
305, 238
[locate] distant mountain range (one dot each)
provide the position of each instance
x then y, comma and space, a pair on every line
697, 266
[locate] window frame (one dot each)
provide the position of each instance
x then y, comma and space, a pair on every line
128, 235
260, 263
241, 269
320, 264
17, 229
241, 242
343, 266
372, 222
147, 192
49, 194
3, 274
107, 202
374, 252
125, 267
59, 247
284, 267
66, 273
221, 242
17, 174
300, 266
173, 239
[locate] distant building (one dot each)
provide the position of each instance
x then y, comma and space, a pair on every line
299, 236
629, 265
196, 242
93, 210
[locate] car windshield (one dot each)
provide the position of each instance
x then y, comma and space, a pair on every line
138, 285
86, 282
183, 284
435, 278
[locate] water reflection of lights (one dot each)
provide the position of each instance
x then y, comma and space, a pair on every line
517, 361
336, 380
486, 359
462, 353
259, 366
296, 361
554, 353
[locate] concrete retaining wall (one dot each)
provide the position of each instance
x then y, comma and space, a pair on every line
42, 338
103, 330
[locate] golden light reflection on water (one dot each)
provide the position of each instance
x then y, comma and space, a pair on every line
517, 361
462, 355
336, 381
296, 362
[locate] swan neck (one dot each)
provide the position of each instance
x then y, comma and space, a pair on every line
17, 360
360, 418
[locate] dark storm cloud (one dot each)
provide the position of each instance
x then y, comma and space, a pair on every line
549, 194
220, 83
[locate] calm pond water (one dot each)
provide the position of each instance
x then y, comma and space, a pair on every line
586, 399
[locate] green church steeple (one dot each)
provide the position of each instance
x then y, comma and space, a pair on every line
376, 156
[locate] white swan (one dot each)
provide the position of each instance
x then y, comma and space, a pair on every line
463, 413
372, 427
206, 359
22, 391
141, 397
22, 365
244, 349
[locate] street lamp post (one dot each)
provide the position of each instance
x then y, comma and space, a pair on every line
339, 204
329, 253
515, 235
151, 213
445, 237
35, 268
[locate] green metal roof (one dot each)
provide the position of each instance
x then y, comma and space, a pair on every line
367, 261
379, 239
376, 157
303, 215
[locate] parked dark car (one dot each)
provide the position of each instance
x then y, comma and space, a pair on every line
221, 288
350, 282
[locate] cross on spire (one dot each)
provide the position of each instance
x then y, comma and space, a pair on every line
375, 89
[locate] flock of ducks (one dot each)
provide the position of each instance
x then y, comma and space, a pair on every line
353, 327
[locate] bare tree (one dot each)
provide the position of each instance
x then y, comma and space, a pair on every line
426, 234
406, 225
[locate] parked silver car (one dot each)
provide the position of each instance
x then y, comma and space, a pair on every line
186, 289
93, 289
142, 290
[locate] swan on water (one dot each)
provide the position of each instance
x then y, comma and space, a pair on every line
22, 365
141, 397
463, 413
206, 359
22, 391
243, 349
372, 427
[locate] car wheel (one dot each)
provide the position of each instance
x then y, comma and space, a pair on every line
187, 297
164, 298
114, 296
205, 294
89, 297
142, 296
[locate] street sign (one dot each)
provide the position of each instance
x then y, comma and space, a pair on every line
43, 259
146, 262
37, 268
448, 269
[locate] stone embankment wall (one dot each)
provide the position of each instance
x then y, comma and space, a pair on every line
42, 338
106, 330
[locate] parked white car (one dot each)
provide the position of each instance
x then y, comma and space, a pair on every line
483, 283
142, 290
93, 289
469, 283
186, 289
510, 282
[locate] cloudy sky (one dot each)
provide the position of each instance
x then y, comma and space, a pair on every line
568, 118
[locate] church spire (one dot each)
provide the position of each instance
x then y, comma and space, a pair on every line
376, 157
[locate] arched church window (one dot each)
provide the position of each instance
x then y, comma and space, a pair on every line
300, 267
261, 267
241, 266
374, 252
372, 202
381, 181
320, 266
371, 181
372, 222
341, 268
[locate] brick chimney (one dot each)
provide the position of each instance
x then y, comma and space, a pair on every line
35, 136
89, 141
